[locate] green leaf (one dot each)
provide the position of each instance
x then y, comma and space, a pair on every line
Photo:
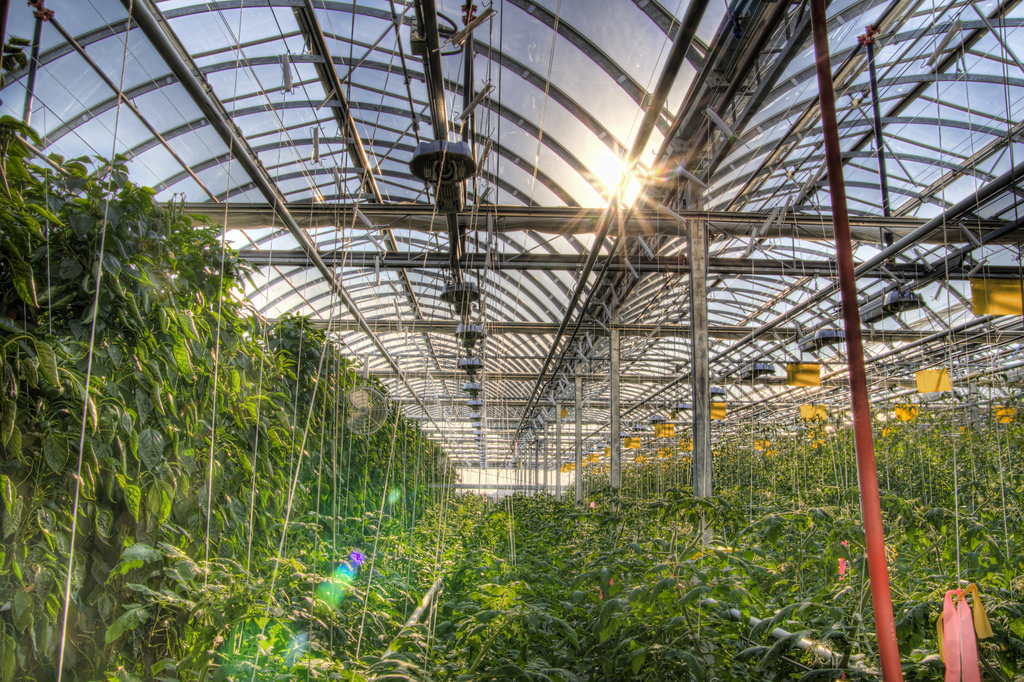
181, 356
116, 354
8, 653
135, 556
1017, 625
22, 610
104, 521
135, 616
779, 649
7, 491
665, 584
56, 452
151, 448
694, 665
133, 497
8, 411
14, 444
24, 283
44, 213
12, 520
158, 501
70, 268
47, 363
637, 659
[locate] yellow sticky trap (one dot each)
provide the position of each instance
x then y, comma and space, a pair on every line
812, 412
565, 413
632, 444
798, 374
664, 430
906, 413
607, 452
672, 415
933, 381
996, 297
1006, 415
594, 457
718, 410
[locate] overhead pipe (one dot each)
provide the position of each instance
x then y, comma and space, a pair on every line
343, 113
871, 509
145, 15
868, 39
33, 66
426, 11
674, 61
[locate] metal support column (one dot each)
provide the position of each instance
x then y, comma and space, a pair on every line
536, 463
579, 439
547, 455
615, 467
558, 453
33, 66
697, 234
881, 599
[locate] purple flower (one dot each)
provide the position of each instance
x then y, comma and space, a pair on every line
357, 557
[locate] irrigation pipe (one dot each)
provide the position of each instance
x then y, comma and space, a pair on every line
804, 644
414, 619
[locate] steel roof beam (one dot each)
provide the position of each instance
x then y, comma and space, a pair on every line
498, 328
572, 221
745, 267
165, 42
305, 16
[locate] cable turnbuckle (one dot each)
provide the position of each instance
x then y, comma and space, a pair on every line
869, 37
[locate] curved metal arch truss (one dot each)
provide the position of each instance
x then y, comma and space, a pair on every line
553, 150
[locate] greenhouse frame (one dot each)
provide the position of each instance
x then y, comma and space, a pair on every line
537, 339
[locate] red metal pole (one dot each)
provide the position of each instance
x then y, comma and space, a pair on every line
871, 509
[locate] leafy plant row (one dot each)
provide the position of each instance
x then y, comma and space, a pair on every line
180, 495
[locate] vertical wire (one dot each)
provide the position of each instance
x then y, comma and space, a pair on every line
86, 400
216, 343
949, 324
288, 509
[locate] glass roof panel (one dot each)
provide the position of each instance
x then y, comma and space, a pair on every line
945, 136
